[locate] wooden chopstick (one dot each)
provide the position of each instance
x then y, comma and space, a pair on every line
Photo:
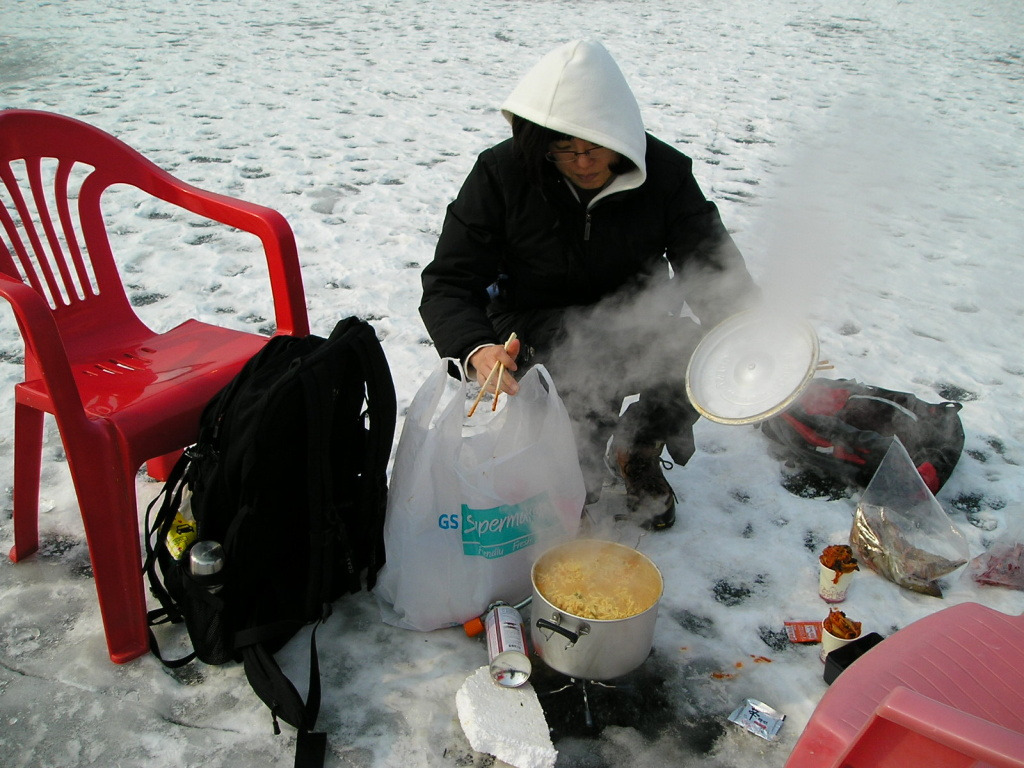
499, 369
497, 386
483, 389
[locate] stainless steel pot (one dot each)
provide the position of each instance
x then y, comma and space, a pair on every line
589, 648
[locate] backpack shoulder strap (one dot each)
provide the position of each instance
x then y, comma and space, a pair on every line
263, 672
285, 702
373, 374
317, 383
382, 406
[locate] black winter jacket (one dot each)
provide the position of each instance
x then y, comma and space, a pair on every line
543, 249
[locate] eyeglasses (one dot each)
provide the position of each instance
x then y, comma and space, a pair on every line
566, 156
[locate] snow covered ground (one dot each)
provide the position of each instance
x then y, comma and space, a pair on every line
866, 154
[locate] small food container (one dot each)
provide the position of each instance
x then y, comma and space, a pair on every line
836, 568
838, 660
836, 631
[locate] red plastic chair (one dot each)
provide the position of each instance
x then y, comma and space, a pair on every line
947, 691
121, 394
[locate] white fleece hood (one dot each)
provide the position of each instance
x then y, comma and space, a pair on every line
579, 90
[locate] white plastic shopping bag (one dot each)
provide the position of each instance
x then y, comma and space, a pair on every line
473, 502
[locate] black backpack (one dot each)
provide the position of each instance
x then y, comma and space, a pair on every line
842, 429
289, 477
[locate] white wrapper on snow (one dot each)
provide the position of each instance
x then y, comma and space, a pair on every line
505, 722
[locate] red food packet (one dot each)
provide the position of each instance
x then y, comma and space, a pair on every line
803, 631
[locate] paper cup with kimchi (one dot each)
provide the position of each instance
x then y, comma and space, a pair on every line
836, 631
836, 568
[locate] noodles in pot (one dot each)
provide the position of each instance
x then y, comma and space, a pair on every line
598, 580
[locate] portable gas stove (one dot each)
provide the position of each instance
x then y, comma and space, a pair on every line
584, 708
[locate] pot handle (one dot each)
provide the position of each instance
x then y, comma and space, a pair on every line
572, 637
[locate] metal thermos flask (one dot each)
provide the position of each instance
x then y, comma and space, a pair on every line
206, 563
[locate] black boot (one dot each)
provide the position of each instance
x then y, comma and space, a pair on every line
649, 497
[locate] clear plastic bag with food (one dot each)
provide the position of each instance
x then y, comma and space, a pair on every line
901, 531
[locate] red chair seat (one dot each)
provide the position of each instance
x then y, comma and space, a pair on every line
156, 390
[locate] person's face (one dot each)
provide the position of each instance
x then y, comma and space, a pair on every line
586, 171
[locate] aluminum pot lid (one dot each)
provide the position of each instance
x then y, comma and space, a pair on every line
751, 366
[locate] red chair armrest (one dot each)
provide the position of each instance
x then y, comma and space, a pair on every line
267, 224
39, 331
960, 731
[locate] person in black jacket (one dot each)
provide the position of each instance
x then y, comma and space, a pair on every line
591, 241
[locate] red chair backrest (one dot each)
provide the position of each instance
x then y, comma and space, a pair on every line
54, 171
